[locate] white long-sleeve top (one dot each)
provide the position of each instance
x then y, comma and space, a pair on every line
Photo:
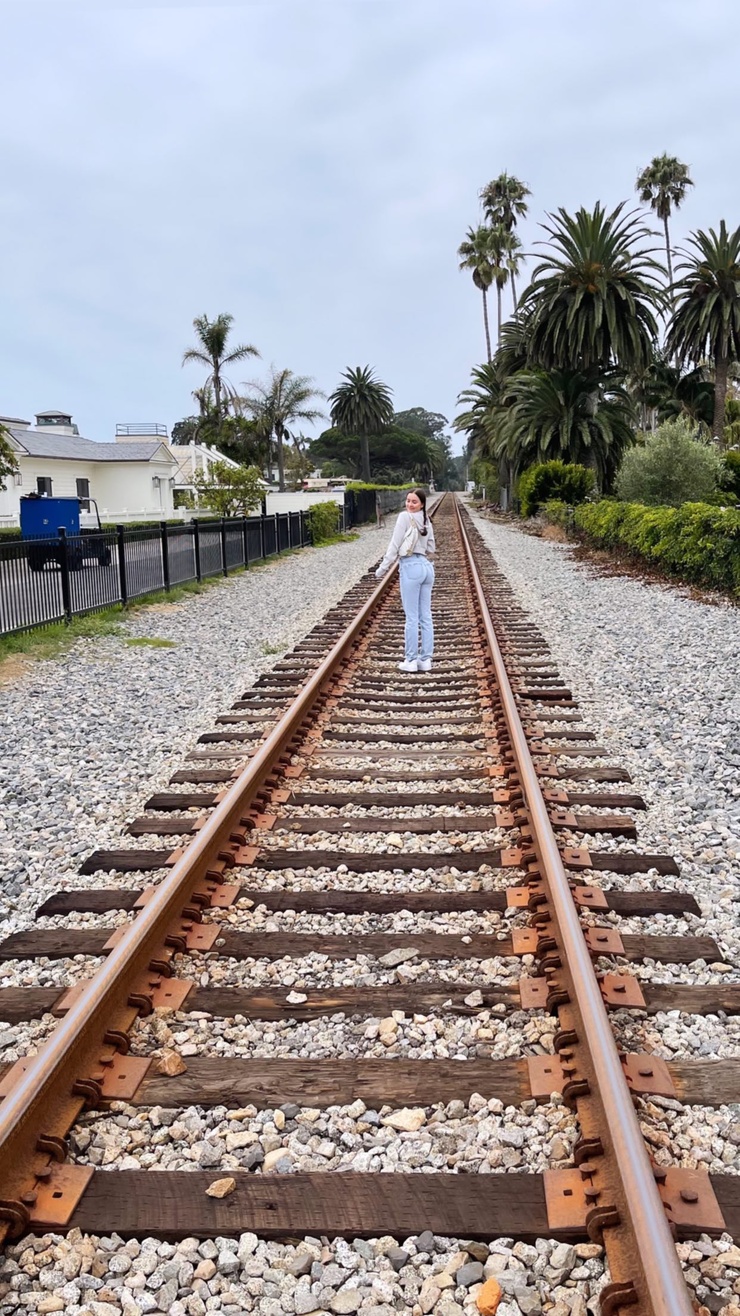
424, 544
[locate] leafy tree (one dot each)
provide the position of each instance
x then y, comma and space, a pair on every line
592, 300
396, 455
229, 491
420, 421
361, 406
503, 204
670, 468
213, 336
276, 404
8, 461
562, 414
706, 316
474, 254
662, 185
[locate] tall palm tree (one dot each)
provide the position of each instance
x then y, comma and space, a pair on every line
592, 301
706, 318
474, 254
662, 185
504, 204
213, 338
560, 413
503, 246
278, 403
361, 406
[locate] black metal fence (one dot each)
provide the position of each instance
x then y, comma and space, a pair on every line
43, 581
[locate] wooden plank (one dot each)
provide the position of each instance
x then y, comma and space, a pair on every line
176, 825
727, 1191
215, 1081
17, 1004
173, 1204
172, 800
99, 901
410, 799
400, 738
21, 1003
604, 861
201, 774
125, 861
60, 943
706, 1082
380, 862
635, 903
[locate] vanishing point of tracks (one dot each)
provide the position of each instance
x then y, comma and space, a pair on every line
336, 748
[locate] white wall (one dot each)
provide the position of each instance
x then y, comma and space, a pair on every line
128, 487
300, 501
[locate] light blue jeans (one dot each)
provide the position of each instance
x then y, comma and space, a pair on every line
417, 577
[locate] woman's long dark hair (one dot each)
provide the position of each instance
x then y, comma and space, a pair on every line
421, 494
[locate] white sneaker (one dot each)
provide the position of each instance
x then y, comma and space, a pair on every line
408, 666
423, 664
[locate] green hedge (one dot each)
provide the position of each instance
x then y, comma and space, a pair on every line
323, 522
696, 542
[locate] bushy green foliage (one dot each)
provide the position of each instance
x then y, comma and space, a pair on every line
229, 490
8, 461
566, 481
695, 542
558, 513
669, 468
361, 484
731, 475
323, 521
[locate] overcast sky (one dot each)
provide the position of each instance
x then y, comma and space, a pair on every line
311, 166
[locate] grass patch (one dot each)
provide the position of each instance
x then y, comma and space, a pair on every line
272, 648
51, 641
150, 642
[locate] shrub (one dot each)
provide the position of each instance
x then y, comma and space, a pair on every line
558, 513
731, 475
668, 468
564, 481
695, 542
323, 522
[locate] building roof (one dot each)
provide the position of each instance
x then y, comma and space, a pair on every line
48, 444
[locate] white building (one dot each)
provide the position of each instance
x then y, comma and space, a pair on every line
131, 479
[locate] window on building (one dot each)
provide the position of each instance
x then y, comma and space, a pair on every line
43, 485
83, 493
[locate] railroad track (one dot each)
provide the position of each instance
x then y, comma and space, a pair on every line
354, 844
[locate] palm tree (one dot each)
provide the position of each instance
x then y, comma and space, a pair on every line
276, 404
504, 204
503, 246
663, 185
562, 414
706, 318
361, 406
213, 337
474, 254
591, 303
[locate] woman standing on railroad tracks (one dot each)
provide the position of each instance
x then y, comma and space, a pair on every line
412, 543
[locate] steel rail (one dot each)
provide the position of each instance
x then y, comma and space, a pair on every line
42, 1102
640, 1248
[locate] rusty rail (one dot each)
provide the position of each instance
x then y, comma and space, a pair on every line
627, 1211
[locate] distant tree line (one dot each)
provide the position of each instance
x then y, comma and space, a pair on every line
259, 425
